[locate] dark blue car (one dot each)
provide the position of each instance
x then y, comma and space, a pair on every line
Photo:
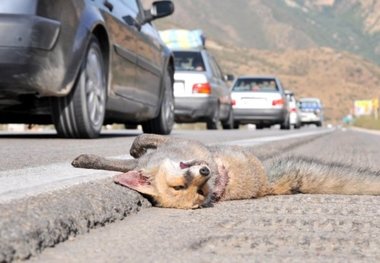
80, 64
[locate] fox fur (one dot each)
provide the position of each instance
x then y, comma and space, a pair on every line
179, 173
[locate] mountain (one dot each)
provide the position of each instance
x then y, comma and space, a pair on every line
323, 48
349, 25
337, 78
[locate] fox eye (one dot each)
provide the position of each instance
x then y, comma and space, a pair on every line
200, 191
178, 187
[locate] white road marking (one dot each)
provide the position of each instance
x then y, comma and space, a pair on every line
26, 182
20, 183
262, 140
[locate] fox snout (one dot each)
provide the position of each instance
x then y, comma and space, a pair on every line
182, 184
205, 171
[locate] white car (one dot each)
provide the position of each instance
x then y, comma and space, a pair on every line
311, 111
294, 112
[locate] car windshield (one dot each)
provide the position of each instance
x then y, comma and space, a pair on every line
309, 104
188, 61
255, 85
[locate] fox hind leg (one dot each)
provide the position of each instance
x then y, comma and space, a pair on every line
144, 142
91, 161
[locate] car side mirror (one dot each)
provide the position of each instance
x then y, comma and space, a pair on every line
159, 9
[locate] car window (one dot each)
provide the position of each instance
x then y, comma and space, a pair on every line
127, 8
188, 61
215, 68
18, 7
132, 4
255, 85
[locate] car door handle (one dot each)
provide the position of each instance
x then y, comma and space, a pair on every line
130, 21
109, 5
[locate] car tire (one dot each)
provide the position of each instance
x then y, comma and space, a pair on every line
236, 125
130, 126
229, 123
164, 122
212, 123
285, 125
319, 124
259, 126
81, 113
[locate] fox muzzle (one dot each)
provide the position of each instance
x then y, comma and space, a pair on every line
204, 171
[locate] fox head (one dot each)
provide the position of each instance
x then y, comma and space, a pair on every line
172, 184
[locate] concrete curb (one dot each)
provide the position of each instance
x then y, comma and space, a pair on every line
29, 225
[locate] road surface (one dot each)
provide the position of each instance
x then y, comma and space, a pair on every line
104, 223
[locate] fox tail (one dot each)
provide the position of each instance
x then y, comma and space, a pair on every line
292, 175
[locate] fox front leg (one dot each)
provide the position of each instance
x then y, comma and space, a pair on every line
144, 142
91, 161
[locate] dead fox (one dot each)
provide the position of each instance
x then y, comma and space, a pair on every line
179, 173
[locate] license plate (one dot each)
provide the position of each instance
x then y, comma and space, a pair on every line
253, 103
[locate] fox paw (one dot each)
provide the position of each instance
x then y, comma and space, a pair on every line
85, 161
137, 152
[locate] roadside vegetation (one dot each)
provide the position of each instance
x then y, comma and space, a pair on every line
367, 122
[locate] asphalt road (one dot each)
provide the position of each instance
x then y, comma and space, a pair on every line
307, 228
285, 228
35, 149
34, 163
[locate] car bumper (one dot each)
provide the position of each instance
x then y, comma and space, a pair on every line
310, 118
192, 109
259, 115
25, 43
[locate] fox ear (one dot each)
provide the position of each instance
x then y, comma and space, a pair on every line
137, 181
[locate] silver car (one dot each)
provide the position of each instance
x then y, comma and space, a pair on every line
201, 91
260, 100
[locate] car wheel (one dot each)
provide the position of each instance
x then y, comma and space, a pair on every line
319, 124
130, 126
163, 123
259, 126
81, 113
285, 125
212, 124
236, 125
229, 123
